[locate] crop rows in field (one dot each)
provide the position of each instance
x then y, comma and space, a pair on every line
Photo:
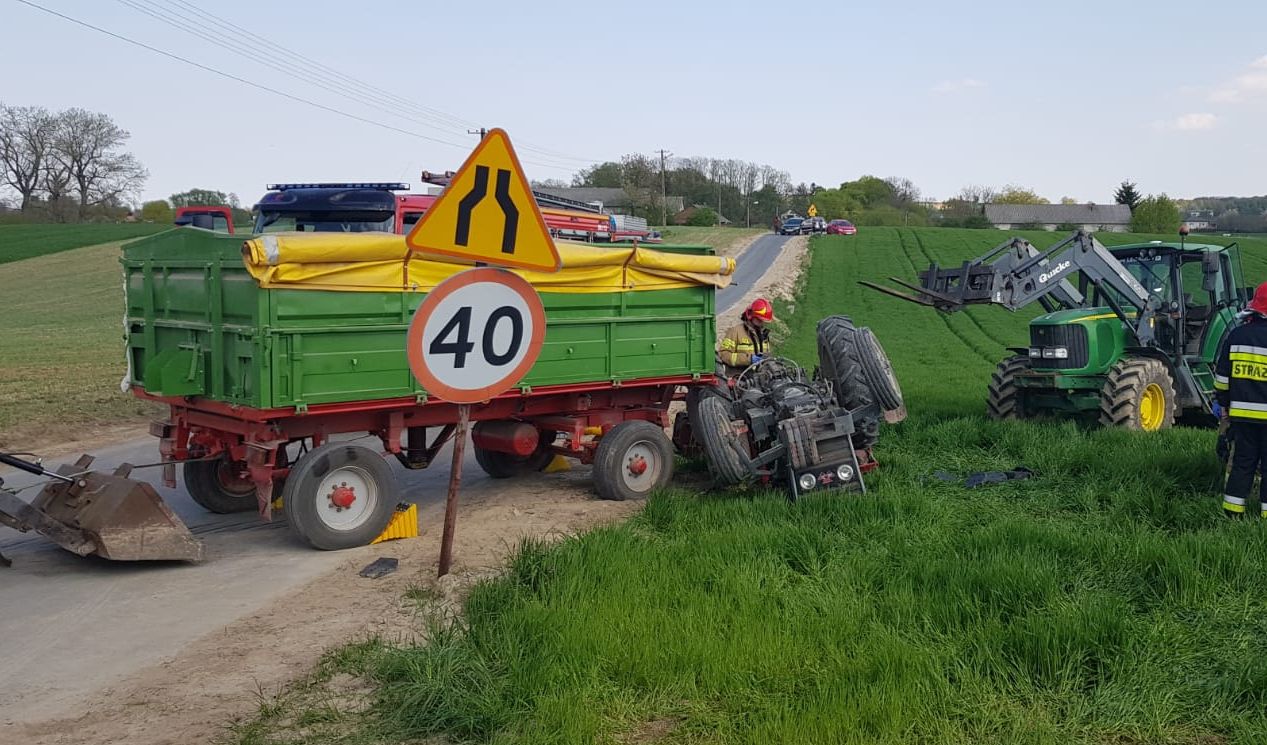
19, 242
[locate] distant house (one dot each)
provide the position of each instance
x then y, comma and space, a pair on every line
1105, 218
1199, 220
682, 217
612, 200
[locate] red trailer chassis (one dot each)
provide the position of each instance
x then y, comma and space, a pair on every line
577, 415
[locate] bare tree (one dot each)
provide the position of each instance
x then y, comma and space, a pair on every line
26, 135
975, 193
905, 192
87, 144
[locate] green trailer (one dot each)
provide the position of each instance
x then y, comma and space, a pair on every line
265, 350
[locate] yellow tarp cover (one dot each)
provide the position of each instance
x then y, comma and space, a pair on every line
376, 262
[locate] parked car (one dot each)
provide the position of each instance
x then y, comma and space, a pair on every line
841, 227
791, 226
813, 225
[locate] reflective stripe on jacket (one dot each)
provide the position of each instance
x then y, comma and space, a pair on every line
739, 344
1240, 375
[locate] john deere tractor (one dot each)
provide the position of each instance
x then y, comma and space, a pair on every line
1130, 335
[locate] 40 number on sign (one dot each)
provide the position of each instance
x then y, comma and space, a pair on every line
476, 335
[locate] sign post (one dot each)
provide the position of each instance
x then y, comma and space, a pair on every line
477, 333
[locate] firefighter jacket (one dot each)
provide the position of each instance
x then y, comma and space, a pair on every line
1240, 375
741, 342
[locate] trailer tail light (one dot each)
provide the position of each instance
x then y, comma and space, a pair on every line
807, 481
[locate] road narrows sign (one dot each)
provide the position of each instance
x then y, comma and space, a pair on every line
476, 335
812, 211
488, 213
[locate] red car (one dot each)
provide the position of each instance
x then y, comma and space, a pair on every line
841, 227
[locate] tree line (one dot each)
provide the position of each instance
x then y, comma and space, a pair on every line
66, 165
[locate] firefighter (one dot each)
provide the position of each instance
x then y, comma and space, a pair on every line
748, 341
1240, 390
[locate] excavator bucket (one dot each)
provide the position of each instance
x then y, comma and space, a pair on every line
111, 516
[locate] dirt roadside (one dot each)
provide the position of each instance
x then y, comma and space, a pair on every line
219, 678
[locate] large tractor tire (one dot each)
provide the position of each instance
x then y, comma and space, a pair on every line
1005, 400
632, 460
715, 433
1138, 394
840, 352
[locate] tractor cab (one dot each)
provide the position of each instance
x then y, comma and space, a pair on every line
328, 208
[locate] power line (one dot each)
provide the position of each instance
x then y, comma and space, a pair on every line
399, 102
190, 25
259, 86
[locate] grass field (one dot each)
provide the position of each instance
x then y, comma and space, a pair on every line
61, 347
721, 239
19, 242
1104, 601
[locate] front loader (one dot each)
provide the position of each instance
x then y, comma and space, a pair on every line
101, 514
1130, 335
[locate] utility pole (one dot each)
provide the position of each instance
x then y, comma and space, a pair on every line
664, 198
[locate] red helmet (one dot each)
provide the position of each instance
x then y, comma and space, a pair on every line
762, 309
1259, 303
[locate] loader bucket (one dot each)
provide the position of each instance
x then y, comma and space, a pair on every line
122, 519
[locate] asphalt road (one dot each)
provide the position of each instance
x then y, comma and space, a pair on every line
752, 266
71, 625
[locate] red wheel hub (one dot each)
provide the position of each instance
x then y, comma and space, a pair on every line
342, 496
637, 465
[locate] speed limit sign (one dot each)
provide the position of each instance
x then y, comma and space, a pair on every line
476, 335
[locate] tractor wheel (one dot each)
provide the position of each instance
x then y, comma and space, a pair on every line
1004, 400
840, 352
501, 465
633, 459
878, 371
340, 496
1138, 394
715, 432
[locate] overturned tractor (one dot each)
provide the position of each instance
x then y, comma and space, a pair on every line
776, 424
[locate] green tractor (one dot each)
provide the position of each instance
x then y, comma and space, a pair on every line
1130, 336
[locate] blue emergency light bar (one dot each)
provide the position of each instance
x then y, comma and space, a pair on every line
389, 185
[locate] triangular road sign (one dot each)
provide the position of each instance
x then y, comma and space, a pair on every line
488, 213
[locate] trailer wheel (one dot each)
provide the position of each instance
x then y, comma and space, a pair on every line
716, 434
220, 486
340, 496
839, 359
633, 459
1138, 394
499, 465
1004, 399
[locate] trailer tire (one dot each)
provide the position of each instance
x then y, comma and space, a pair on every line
1004, 399
633, 459
499, 465
840, 361
340, 496
717, 436
1138, 394
217, 487
878, 371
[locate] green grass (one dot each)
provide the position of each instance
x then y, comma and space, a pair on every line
1105, 601
61, 350
19, 242
724, 240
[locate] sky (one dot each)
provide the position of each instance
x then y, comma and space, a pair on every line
1066, 98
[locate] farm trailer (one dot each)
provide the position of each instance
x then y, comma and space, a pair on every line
264, 351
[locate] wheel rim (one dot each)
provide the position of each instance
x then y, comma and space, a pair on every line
640, 468
232, 479
1152, 407
346, 498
